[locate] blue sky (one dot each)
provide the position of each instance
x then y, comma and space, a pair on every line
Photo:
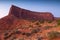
52, 6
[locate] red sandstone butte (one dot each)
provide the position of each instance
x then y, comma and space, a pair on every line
19, 13
15, 13
27, 14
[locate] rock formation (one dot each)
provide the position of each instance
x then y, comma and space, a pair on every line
18, 13
26, 14
9, 22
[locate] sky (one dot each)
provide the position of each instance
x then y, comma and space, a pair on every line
52, 6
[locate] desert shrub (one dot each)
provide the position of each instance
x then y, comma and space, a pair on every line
41, 21
28, 34
56, 26
5, 37
53, 34
23, 33
47, 27
49, 21
6, 34
39, 38
37, 23
16, 31
30, 25
35, 30
58, 22
33, 21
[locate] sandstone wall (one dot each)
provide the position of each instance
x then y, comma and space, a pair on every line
18, 13
26, 14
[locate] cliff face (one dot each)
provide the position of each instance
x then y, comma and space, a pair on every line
16, 14
26, 14
19, 13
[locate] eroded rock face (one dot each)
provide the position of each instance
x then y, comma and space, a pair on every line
11, 21
18, 13
26, 14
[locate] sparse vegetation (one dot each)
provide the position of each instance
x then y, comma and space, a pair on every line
17, 31
47, 27
23, 33
6, 34
6, 37
41, 21
28, 34
35, 30
53, 34
39, 38
39, 26
30, 25
33, 21
58, 22
37, 23
49, 21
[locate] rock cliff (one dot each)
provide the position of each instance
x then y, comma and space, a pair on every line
10, 21
27, 14
19, 13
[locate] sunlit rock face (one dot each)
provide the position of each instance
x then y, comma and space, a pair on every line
27, 14
13, 19
19, 13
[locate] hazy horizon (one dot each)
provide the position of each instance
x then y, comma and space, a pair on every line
33, 5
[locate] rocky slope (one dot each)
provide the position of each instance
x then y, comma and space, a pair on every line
26, 21
16, 13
